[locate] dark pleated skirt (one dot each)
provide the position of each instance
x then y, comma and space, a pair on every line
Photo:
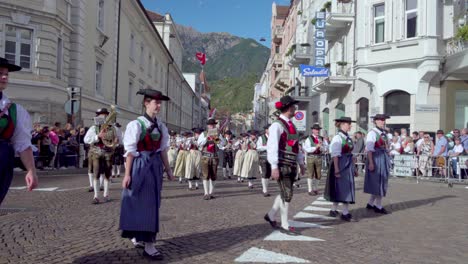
139, 214
376, 182
341, 190
7, 161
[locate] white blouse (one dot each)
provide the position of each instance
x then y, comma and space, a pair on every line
21, 139
133, 132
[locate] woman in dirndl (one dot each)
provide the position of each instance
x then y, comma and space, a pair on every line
146, 143
241, 146
340, 181
250, 165
172, 152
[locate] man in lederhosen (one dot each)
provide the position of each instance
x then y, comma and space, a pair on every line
102, 141
209, 162
313, 147
377, 165
227, 148
283, 155
262, 153
15, 135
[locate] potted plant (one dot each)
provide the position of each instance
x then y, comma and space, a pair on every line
313, 21
326, 65
290, 51
344, 1
299, 12
327, 6
462, 33
341, 70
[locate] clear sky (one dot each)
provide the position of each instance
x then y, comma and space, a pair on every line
244, 18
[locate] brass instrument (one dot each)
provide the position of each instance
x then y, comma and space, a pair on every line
213, 135
109, 141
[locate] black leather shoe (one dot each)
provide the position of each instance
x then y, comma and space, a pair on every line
101, 189
348, 218
91, 189
212, 196
381, 211
273, 223
266, 195
155, 256
206, 197
333, 213
290, 231
370, 207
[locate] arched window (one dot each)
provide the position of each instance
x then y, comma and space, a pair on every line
340, 110
397, 103
326, 119
363, 114
315, 117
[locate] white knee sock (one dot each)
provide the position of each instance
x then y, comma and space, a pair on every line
250, 183
90, 176
334, 207
345, 209
150, 249
224, 173
190, 184
113, 169
205, 186
275, 208
378, 202
239, 179
106, 187
230, 172
211, 187
101, 181
284, 208
96, 188
315, 184
309, 184
180, 179
196, 184
118, 170
371, 199
265, 185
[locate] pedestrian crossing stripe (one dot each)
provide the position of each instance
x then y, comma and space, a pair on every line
315, 208
321, 198
46, 189
278, 236
322, 203
265, 256
308, 215
298, 224
18, 188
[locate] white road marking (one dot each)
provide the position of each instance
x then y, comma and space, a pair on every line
46, 189
72, 189
18, 188
321, 198
318, 209
299, 224
261, 255
278, 236
308, 215
322, 203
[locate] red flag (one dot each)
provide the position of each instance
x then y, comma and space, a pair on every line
201, 57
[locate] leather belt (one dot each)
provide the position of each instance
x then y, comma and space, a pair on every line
209, 155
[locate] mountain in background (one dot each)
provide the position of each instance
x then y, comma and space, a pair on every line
233, 66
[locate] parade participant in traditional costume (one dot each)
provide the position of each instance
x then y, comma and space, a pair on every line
377, 165
146, 143
15, 135
283, 155
179, 170
208, 143
340, 182
193, 162
241, 146
173, 149
313, 147
118, 153
262, 154
102, 139
250, 165
227, 148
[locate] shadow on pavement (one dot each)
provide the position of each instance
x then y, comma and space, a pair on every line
180, 248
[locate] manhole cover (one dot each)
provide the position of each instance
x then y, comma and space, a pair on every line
5, 211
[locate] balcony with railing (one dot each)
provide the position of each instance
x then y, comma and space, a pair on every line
341, 16
340, 76
278, 34
456, 59
282, 80
300, 54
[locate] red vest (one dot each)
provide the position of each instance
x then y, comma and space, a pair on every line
148, 141
288, 141
8, 122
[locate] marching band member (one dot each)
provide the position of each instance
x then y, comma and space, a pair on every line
15, 135
239, 159
250, 164
118, 153
146, 142
192, 164
266, 167
340, 181
102, 139
207, 142
228, 160
378, 165
313, 147
173, 149
179, 170
283, 155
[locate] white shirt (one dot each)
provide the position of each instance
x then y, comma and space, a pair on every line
457, 149
275, 132
419, 142
395, 148
132, 136
308, 148
91, 136
260, 146
372, 138
21, 138
336, 144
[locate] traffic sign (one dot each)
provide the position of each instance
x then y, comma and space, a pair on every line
68, 107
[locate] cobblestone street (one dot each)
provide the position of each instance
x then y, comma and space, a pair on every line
58, 224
